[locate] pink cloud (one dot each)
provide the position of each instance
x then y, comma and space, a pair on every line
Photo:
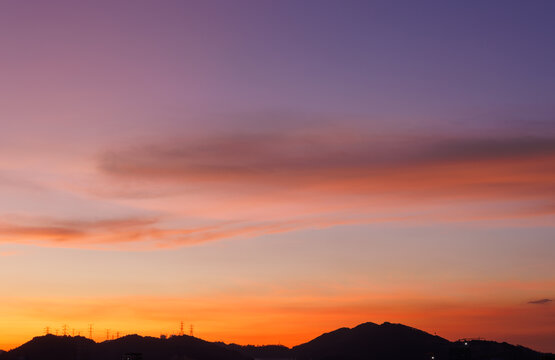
249, 185
355, 164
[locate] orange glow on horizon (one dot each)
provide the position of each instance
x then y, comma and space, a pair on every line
287, 319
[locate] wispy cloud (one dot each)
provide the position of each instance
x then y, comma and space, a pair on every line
540, 301
327, 171
143, 234
346, 163
250, 184
76, 232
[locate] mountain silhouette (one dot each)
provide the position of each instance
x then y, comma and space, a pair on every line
52, 347
372, 341
366, 341
392, 342
396, 341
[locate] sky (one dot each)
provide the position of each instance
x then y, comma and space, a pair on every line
267, 171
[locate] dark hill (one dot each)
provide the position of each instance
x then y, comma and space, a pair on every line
52, 347
367, 341
175, 347
481, 349
390, 342
262, 352
372, 341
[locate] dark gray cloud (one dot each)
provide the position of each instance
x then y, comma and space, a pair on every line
298, 156
540, 301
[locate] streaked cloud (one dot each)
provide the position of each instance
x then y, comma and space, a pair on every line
332, 172
149, 233
74, 232
540, 301
253, 183
345, 163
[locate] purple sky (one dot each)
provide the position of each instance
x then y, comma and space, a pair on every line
236, 149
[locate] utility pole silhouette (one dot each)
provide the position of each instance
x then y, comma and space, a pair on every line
90, 331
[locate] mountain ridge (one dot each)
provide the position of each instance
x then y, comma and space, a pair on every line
364, 341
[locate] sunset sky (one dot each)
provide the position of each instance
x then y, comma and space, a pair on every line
271, 170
